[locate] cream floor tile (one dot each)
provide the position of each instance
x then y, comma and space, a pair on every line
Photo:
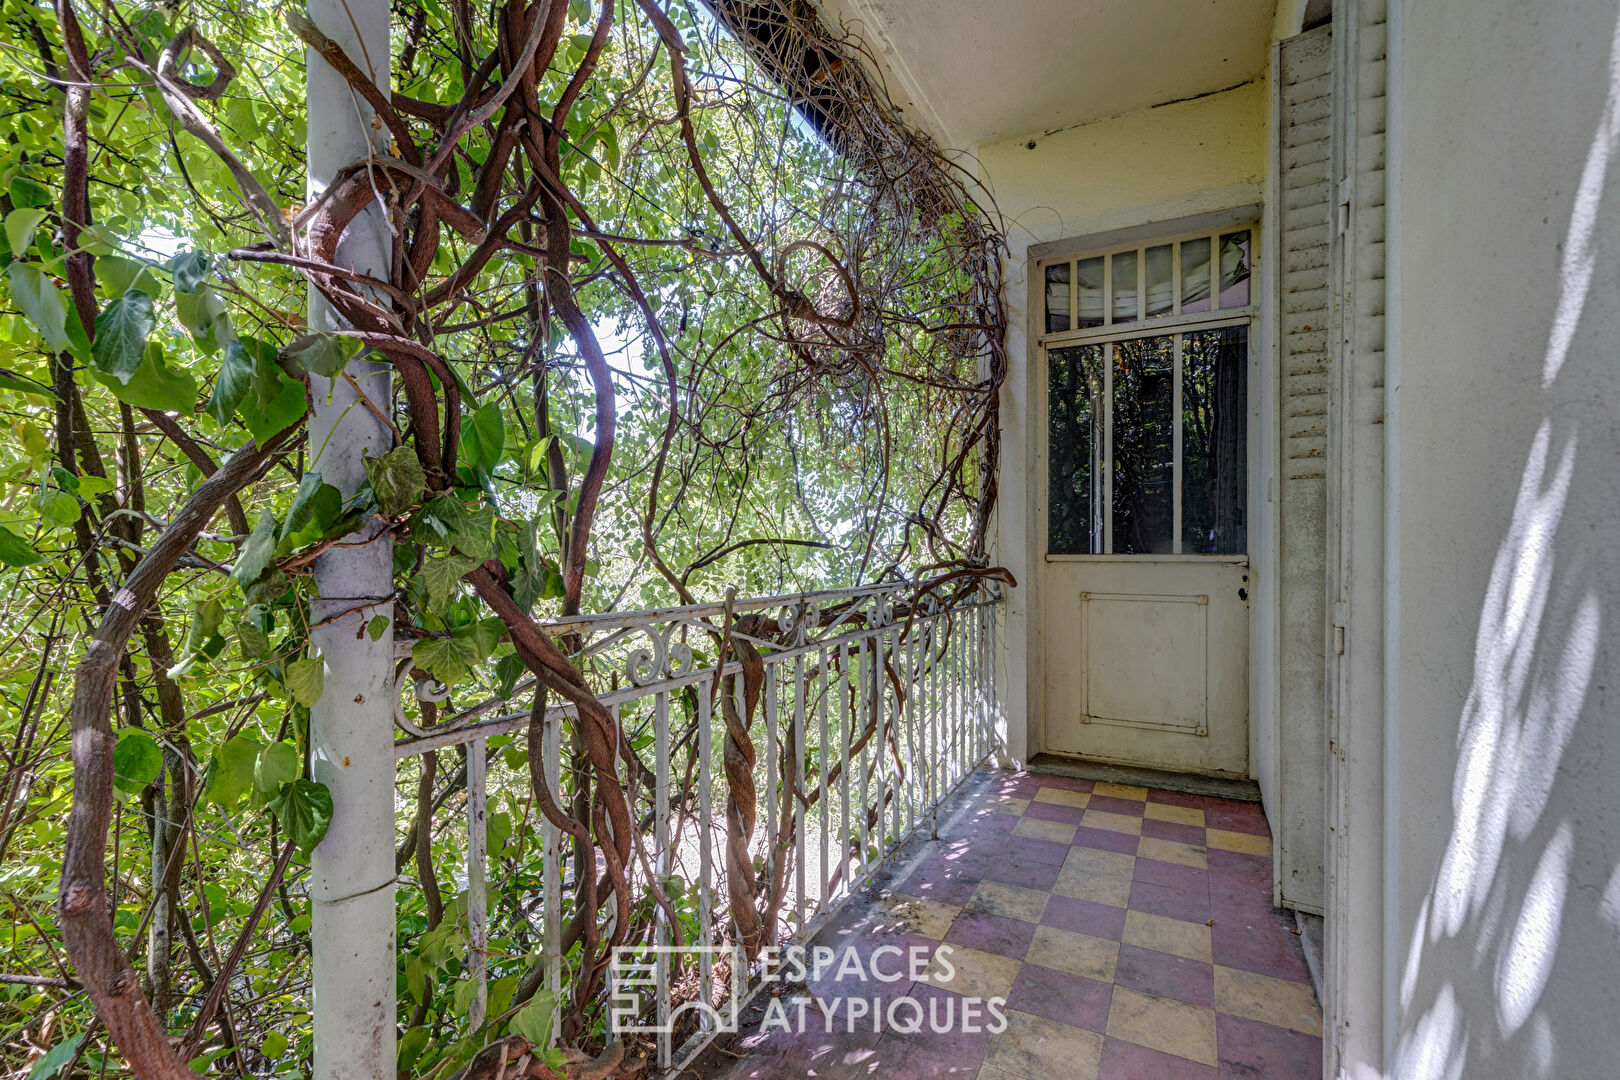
912, 915
1076, 953
1172, 851
1040, 829
1173, 1027
1181, 815
1034, 1048
1120, 823
1268, 1000
1248, 843
1088, 876
1173, 936
1004, 804
990, 1072
1062, 796
971, 973
1008, 901
1120, 791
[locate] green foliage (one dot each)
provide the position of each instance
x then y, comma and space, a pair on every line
137, 760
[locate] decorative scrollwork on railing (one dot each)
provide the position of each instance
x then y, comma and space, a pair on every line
666, 659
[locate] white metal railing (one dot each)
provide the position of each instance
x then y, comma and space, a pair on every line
875, 703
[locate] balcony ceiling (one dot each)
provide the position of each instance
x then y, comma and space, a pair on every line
978, 71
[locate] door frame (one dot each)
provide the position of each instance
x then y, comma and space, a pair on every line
1262, 435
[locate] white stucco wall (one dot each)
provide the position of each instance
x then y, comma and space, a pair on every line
1154, 165
1504, 753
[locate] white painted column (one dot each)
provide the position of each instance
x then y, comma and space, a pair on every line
351, 727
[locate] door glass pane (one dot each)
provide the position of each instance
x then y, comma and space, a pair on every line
1074, 389
1214, 441
1125, 287
1091, 291
1057, 298
1235, 269
1144, 452
1160, 297
1195, 275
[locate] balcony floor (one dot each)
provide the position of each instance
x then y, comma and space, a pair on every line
1130, 930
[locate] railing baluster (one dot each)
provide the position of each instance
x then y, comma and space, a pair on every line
771, 773
796, 805
661, 867
821, 774
846, 723
874, 696
477, 891
705, 852
551, 836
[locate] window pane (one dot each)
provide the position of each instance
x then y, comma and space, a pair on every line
1057, 298
1214, 441
1091, 292
1235, 269
1125, 286
1144, 436
1195, 275
1160, 294
1074, 387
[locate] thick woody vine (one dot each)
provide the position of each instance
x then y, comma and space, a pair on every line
470, 186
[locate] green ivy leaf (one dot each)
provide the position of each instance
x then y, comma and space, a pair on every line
154, 384
203, 313
252, 385
304, 809
231, 773
447, 659
253, 641
42, 302
29, 193
137, 760
277, 764
306, 679
534, 1020
190, 269
56, 1058
14, 550
396, 479
447, 522
508, 670
235, 379
441, 574
315, 508
483, 438
20, 228
10, 380
322, 354
121, 332
117, 275
377, 627
274, 1046
257, 551
59, 507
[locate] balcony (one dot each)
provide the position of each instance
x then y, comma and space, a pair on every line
831, 877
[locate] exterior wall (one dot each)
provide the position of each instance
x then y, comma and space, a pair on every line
1155, 165
1503, 747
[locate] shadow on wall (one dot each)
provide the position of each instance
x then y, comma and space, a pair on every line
1514, 959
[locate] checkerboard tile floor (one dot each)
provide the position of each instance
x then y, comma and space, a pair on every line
1129, 929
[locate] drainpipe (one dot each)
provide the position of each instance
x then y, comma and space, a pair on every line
351, 726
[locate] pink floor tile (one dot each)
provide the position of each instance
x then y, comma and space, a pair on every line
1085, 917
1127, 1061
1045, 811
1067, 783
1106, 839
1236, 817
995, 934
1032, 850
1178, 798
1169, 902
1188, 879
1262, 942
1170, 830
1250, 1050
1024, 873
1057, 995
1167, 976
1110, 805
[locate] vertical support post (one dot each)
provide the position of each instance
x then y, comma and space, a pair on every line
477, 890
351, 881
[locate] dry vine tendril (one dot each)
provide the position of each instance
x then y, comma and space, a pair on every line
666, 313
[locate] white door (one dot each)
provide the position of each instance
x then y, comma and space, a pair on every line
1145, 584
